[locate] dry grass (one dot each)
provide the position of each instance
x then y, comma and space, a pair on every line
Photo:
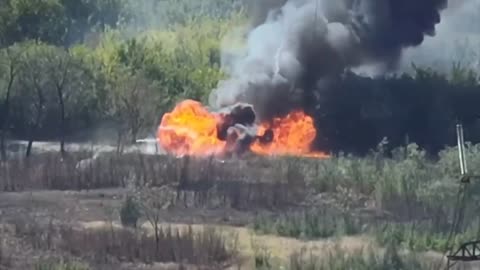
250, 245
409, 188
51, 171
110, 245
198, 182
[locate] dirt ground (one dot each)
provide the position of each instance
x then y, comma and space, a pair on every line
96, 209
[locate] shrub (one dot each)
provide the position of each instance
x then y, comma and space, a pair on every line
129, 213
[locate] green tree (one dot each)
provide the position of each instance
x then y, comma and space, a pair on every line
58, 22
71, 82
34, 88
10, 61
132, 104
32, 19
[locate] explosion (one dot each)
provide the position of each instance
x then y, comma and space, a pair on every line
190, 129
292, 135
294, 50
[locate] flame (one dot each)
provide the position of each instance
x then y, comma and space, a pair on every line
190, 129
292, 135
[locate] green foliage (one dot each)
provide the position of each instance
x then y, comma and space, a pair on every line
46, 73
58, 22
308, 224
168, 13
24, 20
131, 61
408, 184
339, 259
420, 237
10, 64
185, 62
130, 81
415, 196
361, 260
129, 213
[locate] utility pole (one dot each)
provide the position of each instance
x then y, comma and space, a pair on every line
469, 251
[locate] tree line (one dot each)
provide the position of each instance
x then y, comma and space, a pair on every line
354, 114
56, 87
69, 66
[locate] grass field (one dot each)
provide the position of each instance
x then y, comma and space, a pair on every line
143, 211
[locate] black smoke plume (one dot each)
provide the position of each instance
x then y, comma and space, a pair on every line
297, 46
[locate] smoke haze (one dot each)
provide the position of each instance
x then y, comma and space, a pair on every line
457, 40
295, 46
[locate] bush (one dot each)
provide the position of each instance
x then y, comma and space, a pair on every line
129, 213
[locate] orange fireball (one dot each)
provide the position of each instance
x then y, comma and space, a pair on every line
292, 135
190, 129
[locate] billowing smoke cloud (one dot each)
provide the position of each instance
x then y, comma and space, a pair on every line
296, 45
457, 40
